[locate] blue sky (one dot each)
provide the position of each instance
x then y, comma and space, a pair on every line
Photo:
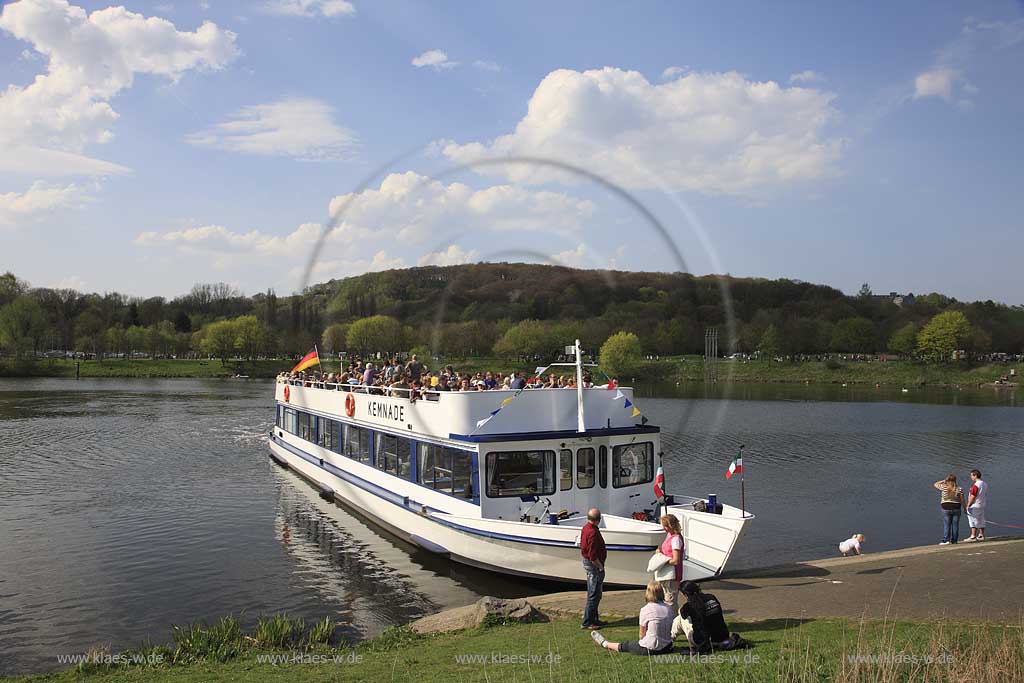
149, 147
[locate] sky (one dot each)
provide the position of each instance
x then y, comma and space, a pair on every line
148, 146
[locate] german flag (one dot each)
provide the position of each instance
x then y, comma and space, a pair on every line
309, 360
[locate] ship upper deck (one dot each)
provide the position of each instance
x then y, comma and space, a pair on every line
468, 415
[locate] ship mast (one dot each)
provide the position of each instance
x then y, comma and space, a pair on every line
581, 426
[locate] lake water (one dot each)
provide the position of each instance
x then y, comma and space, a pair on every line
128, 506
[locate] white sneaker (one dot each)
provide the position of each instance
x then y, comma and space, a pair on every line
944, 543
598, 638
981, 538
971, 539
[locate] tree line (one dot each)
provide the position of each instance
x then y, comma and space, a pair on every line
508, 309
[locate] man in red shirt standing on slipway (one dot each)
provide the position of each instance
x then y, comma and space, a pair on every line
594, 555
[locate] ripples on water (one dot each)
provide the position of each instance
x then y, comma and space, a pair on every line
128, 506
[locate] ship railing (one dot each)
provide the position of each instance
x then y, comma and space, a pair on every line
375, 390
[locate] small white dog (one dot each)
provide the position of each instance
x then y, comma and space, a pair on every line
852, 544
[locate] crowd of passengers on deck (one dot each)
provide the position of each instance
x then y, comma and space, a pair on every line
392, 377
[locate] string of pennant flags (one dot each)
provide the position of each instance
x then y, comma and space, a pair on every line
627, 405
481, 423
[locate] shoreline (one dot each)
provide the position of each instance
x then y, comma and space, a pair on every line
669, 371
823, 611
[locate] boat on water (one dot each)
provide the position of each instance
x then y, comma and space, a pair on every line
500, 479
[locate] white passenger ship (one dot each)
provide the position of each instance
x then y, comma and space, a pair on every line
500, 484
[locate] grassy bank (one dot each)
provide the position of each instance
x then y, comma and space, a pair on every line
824, 650
144, 367
691, 369
675, 369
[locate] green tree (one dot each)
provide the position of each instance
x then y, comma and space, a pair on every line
854, 335
943, 335
136, 338
334, 338
376, 333
219, 339
770, 342
22, 325
620, 354
249, 336
904, 340
117, 339
526, 339
11, 288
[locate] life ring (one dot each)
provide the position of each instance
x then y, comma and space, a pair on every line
287, 393
350, 405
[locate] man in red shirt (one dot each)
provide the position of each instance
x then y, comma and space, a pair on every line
594, 555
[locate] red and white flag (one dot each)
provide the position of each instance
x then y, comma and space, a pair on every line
659, 483
735, 466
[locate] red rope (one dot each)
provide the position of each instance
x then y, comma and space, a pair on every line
1008, 526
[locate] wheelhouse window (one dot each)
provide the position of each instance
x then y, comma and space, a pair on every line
291, 421
632, 464
357, 443
565, 469
520, 473
586, 467
306, 429
448, 470
327, 434
602, 467
393, 455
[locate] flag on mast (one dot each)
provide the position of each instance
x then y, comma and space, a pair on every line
659, 483
310, 359
736, 465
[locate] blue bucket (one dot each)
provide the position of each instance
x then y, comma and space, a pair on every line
552, 518
712, 501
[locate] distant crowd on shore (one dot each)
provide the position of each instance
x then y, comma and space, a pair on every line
414, 379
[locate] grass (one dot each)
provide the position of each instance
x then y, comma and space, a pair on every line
145, 368
674, 369
784, 650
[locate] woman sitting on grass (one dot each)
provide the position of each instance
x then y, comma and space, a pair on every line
655, 627
703, 622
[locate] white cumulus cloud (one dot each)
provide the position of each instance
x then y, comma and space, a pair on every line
452, 256
436, 59
39, 199
299, 127
807, 76
938, 82
90, 58
714, 133
309, 8
671, 72
412, 208
376, 229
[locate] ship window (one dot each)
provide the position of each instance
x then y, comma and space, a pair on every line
393, 455
586, 464
448, 470
357, 443
291, 421
632, 464
280, 416
602, 467
565, 469
520, 473
327, 434
306, 430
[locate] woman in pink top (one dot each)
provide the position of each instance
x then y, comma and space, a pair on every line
672, 547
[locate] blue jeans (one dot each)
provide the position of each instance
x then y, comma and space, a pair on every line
595, 585
951, 525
